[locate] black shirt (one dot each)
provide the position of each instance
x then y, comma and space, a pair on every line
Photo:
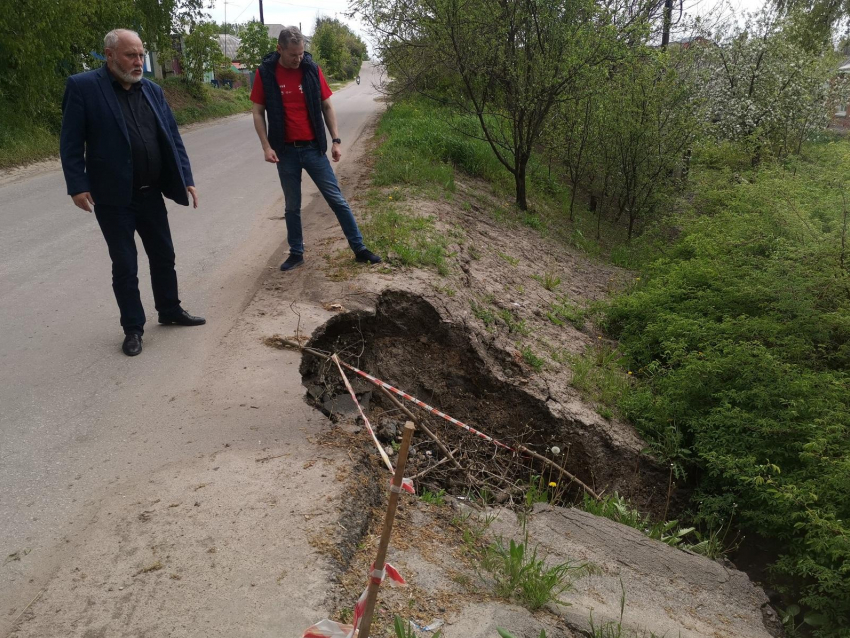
144, 134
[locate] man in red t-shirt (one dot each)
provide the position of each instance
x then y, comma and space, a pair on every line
292, 90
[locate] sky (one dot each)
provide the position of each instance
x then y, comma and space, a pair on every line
288, 13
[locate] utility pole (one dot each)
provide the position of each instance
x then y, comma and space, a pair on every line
225, 28
668, 19
262, 21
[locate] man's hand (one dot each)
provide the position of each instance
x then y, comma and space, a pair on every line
191, 190
335, 152
84, 201
271, 156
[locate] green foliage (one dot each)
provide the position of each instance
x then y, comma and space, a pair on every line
536, 55
404, 629
564, 310
550, 281
520, 574
409, 240
740, 335
514, 325
337, 48
599, 375
212, 103
618, 509
45, 41
255, 44
434, 498
487, 316
532, 359
424, 144
22, 140
624, 142
768, 90
200, 53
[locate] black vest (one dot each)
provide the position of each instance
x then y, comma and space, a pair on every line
274, 102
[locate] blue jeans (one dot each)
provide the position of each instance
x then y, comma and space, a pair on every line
311, 159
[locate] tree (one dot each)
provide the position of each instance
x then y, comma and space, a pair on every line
765, 90
256, 43
337, 48
509, 62
45, 41
653, 118
201, 53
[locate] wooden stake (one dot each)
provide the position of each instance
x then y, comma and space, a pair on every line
374, 583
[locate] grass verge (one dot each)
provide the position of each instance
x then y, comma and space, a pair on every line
23, 141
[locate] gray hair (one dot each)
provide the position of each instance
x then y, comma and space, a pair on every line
290, 35
111, 38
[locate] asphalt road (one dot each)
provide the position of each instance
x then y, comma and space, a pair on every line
77, 417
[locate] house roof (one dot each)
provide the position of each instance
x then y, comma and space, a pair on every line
229, 45
275, 29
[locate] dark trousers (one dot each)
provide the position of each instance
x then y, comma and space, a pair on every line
147, 216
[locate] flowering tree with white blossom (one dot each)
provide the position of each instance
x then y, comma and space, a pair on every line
765, 90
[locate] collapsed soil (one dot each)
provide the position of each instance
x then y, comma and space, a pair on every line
427, 337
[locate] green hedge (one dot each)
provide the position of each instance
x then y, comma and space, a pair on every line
741, 337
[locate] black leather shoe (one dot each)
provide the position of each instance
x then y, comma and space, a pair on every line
181, 318
132, 345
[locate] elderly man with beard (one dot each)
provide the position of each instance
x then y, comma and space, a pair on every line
121, 152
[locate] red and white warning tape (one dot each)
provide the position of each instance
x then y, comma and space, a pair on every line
331, 629
421, 404
406, 484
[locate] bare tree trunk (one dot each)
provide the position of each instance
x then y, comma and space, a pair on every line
519, 176
572, 200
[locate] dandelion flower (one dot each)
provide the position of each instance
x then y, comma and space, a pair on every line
556, 450
553, 484
630, 371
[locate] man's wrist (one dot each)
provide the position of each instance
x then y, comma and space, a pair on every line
336, 140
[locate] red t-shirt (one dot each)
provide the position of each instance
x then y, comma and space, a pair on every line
294, 103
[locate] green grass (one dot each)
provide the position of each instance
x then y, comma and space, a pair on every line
216, 103
424, 144
563, 310
550, 281
409, 240
520, 574
513, 324
434, 498
23, 141
486, 315
598, 374
532, 359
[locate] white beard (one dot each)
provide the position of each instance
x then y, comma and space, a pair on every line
129, 78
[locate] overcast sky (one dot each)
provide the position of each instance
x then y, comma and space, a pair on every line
282, 12
288, 13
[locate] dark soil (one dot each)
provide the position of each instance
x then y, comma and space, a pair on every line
410, 345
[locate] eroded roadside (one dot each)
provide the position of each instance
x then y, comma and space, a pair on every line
275, 530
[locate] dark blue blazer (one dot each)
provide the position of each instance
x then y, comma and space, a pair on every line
95, 146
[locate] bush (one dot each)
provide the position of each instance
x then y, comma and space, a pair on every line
741, 336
